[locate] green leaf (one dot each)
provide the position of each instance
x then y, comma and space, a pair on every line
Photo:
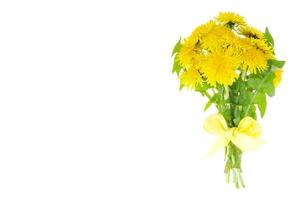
209, 103
254, 83
237, 115
224, 109
268, 85
252, 112
263, 84
243, 99
270, 89
202, 88
260, 100
276, 63
177, 47
269, 37
176, 67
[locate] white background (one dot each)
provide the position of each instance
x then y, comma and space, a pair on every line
89, 108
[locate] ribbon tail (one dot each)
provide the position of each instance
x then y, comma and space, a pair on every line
219, 143
246, 143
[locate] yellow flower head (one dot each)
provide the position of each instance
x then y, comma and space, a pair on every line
190, 78
262, 45
229, 17
251, 32
202, 30
278, 76
254, 59
220, 67
187, 52
219, 37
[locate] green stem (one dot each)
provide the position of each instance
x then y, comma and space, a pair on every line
233, 166
232, 152
243, 74
207, 94
226, 92
241, 179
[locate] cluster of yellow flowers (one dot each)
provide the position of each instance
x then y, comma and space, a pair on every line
216, 52
234, 66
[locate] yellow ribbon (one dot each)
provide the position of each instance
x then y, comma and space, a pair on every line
245, 136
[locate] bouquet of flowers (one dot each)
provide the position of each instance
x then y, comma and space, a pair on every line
233, 65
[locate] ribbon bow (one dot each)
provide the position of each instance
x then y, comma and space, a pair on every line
245, 136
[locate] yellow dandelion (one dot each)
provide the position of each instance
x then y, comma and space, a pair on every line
229, 17
250, 32
237, 45
202, 30
219, 37
263, 46
278, 76
220, 67
240, 45
253, 60
187, 52
190, 53
190, 78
